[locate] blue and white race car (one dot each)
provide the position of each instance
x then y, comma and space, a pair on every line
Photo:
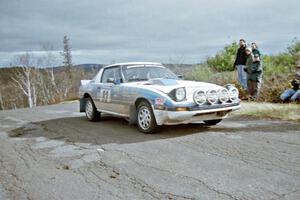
150, 95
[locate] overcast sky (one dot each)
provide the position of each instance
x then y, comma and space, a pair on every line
182, 31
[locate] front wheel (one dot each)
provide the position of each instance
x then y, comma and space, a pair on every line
212, 122
90, 110
145, 118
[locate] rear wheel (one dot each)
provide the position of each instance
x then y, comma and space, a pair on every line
212, 122
90, 110
145, 118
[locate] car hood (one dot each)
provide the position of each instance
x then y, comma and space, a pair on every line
167, 85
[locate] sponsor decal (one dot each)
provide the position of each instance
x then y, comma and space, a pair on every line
160, 101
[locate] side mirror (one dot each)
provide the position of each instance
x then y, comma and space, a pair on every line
180, 76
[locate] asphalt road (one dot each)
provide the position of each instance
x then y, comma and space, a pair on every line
53, 152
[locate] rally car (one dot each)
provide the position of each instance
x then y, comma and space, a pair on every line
150, 95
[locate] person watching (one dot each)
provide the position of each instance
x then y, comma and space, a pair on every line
240, 62
292, 94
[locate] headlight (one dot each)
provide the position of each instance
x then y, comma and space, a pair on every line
233, 94
212, 96
223, 95
180, 94
200, 97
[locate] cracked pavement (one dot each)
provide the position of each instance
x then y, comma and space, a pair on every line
53, 152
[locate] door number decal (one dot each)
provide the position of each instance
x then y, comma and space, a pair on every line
105, 95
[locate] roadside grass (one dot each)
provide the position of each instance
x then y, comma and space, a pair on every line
290, 112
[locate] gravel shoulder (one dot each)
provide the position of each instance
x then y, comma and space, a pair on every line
53, 152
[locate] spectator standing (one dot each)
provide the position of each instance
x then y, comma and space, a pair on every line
254, 73
240, 62
294, 93
255, 50
249, 61
249, 58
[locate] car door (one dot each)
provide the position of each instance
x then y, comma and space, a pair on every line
108, 91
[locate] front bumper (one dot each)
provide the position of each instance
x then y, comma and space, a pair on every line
165, 117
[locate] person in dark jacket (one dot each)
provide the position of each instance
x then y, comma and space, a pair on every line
255, 50
240, 62
254, 74
294, 93
249, 57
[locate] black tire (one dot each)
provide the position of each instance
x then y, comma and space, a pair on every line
145, 118
91, 112
212, 122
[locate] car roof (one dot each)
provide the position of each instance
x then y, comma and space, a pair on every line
134, 63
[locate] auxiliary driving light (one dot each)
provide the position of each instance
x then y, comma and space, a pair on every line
212, 96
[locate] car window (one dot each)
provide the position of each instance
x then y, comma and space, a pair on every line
137, 73
112, 72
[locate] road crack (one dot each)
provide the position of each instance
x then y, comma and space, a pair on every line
219, 192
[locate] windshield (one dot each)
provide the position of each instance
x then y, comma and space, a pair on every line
144, 73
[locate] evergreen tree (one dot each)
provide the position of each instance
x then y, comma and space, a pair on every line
67, 57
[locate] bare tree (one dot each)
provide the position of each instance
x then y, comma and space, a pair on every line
49, 85
49, 60
1, 102
23, 78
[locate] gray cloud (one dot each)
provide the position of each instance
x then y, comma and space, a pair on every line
127, 30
